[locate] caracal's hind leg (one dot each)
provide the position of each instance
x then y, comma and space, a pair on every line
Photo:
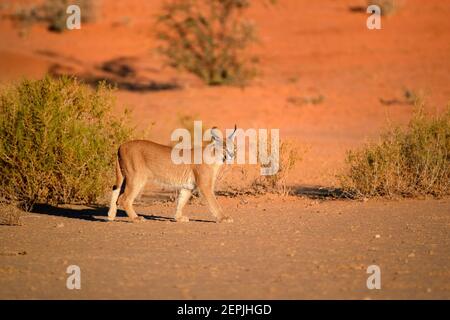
183, 198
132, 188
115, 192
113, 205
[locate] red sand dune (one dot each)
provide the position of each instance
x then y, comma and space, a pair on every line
307, 49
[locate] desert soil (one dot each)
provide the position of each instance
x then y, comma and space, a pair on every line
290, 248
278, 247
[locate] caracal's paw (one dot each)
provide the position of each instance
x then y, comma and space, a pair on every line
182, 219
225, 219
138, 219
110, 219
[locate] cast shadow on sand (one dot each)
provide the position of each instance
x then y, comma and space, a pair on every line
320, 192
98, 214
125, 73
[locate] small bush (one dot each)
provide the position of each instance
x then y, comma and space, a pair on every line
387, 7
53, 13
58, 141
208, 38
411, 162
289, 156
246, 179
9, 215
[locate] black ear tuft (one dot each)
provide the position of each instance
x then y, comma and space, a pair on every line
234, 132
213, 135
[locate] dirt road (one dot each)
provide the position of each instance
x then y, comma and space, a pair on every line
292, 248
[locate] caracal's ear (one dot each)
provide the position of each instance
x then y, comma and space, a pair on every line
233, 134
216, 135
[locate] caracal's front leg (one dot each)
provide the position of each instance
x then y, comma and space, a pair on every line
213, 205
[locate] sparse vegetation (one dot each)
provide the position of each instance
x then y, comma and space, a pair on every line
387, 7
58, 141
308, 100
208, 38
410, 97
405, 162
251, 182
288, 158
9, 215
187, 122
53, 13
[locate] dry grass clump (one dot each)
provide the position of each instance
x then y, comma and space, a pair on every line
247, 179
277, 183
409, 162
9, 215
58, 141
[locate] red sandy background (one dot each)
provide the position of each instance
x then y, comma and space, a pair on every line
278, 247
307, 49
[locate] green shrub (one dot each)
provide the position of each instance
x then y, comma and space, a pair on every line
208, 38
405, 162
58, 140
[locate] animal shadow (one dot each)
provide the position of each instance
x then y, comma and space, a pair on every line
319, 192
98, 214
89, 213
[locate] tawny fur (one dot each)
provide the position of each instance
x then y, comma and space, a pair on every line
140, 161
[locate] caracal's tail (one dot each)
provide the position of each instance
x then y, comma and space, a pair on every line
115, 191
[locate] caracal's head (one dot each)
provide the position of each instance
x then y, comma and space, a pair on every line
225, 146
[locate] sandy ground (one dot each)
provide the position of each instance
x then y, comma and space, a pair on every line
290, 248
278, 247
